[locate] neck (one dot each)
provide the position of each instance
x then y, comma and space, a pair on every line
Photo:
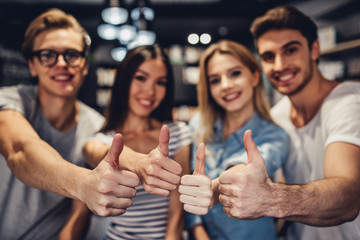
236, 120
62, 113
306, 103
137, 124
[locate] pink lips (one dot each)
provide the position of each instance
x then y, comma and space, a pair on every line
231, 97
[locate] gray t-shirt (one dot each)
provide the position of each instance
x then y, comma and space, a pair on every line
26, 212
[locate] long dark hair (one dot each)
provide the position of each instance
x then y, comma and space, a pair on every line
118, 108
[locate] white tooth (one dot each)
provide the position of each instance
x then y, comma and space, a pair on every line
145, 102
286, 77
62, 78
231, 96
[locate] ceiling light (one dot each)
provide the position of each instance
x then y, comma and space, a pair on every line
205, 38
126, 33
115, 15
143, 37
146, 11
118, 54
107, 31
193, 38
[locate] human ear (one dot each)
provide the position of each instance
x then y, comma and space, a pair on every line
315, 50
256, 79
32, 68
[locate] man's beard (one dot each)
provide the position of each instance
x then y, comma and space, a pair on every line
307, 77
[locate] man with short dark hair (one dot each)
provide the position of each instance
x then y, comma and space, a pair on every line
322, 119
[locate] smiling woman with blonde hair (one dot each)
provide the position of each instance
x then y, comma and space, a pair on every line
231, 100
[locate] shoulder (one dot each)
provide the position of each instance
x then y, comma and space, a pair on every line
19, 90
349, 90
280, 112
177, 126
269, 130
343, 98
22, 98
195, 121
180, 134
90, 116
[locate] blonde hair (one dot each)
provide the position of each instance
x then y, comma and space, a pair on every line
208, 108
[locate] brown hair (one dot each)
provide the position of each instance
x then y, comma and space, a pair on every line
209, 109
118, 108
52, 18
284, 17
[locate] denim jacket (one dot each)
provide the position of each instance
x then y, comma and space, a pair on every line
221, 154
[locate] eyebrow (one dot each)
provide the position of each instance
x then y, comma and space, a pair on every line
143, 72
283, 47
147, 74
230, 69
291, 43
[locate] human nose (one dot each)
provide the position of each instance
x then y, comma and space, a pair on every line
226, 82
150, 89
279, 63
61, 60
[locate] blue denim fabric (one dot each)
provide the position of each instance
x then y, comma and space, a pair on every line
221, 154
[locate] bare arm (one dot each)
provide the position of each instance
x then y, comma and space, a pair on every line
176, 214
34, 161
200, 233
249, 193
105, 190
78, 223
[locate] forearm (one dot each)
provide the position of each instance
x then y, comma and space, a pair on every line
131, 160
200, 233
215, 189
324, 202
94, 151
78, 223
175, 224
37, 164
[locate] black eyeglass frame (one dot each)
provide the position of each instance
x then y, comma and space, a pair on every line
37, 54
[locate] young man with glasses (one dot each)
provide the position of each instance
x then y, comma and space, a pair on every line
42, 131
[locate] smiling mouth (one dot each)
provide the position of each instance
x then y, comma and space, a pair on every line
146, 103
62, 78
232, 96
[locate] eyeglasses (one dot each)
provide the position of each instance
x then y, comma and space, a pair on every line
49, 57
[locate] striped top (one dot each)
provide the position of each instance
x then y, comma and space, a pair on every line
147, 217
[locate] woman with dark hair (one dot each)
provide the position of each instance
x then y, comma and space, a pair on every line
141, 103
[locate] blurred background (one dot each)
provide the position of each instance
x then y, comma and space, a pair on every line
184, 27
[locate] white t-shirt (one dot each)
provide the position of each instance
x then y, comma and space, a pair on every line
338, 120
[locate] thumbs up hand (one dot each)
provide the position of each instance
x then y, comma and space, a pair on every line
158, 173
245, 190
107, 190
195, 190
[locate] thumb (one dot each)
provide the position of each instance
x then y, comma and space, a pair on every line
164, 139
115, 150
254, 156
200, 160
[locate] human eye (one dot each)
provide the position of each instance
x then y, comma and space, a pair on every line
161, 82
140, 78
214, 80
72, 54
290, 50
267, 57
47, 55
235, 73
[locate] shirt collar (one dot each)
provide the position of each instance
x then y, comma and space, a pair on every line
252, 124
